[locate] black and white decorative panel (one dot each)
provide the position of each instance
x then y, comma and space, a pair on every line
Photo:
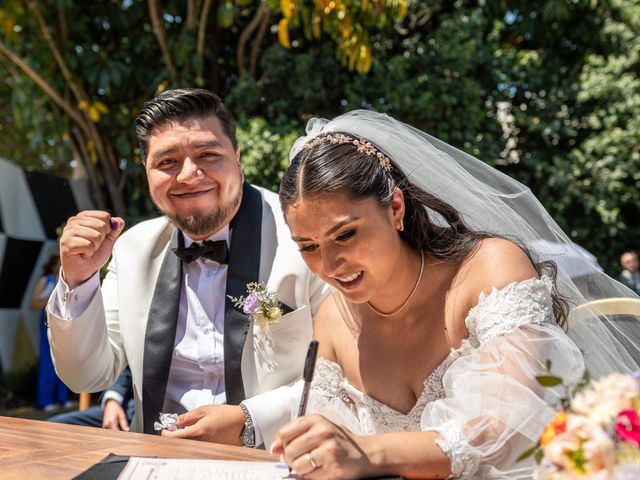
32, 207
54, 201
18, 263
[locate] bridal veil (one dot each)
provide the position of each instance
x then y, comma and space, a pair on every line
491, 201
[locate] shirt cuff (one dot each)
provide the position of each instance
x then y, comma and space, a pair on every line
72, 302
256, 429
111, 395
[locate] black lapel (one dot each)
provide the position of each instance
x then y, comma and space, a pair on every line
244, 267
160, 336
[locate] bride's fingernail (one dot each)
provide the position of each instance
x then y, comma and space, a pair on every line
114, 223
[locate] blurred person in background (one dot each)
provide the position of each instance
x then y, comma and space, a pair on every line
51, 392
114, 412
630, 275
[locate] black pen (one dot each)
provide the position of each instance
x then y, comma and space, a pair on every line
307, 375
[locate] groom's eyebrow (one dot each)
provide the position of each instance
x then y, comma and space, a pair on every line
333, 229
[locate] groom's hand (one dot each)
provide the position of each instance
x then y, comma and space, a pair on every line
211, 423
86, 244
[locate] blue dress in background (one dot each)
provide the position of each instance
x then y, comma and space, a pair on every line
50, 390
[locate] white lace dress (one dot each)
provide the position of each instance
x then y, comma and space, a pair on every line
483, 399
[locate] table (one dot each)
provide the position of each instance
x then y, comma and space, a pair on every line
54, 451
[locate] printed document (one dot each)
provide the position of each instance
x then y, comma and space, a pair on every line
177, 469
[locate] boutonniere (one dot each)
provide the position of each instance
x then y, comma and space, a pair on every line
261, 304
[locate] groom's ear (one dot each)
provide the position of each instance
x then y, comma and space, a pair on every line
396, 206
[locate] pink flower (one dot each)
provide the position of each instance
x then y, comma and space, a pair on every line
605, 397
628, 426
582, 449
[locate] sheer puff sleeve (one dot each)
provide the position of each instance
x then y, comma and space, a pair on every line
494, 408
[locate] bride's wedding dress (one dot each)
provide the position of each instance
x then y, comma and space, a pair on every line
483, 398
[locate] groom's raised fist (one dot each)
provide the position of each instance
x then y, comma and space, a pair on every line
86, 244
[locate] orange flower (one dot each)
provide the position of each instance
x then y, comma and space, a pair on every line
557, 426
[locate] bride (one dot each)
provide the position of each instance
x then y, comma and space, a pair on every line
442, 317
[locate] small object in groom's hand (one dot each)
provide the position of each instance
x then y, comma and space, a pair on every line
167, 422
114, 224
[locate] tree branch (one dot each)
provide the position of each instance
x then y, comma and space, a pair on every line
78, 148
246, 33
77, 90
255, 49
62, 23
202, 29
110, 166
191, 15
44, 85
158, 30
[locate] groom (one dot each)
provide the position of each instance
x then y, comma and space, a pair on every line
163, 308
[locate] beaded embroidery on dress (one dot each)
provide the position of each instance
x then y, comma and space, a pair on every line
374, 416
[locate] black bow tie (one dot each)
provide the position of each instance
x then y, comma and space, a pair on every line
216, 251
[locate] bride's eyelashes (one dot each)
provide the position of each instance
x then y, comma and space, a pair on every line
307, 248
343, 237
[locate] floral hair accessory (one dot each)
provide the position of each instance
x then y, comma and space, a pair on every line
595, 436
362, 145
260, 304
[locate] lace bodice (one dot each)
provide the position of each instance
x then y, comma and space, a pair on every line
375, 416
512, 316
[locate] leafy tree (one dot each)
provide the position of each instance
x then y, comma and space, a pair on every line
265, 151
570, 85
347, 23
433, 72
605, 167
546, 91
514, 83
79, 71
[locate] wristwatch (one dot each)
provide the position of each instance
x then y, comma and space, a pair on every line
248, 434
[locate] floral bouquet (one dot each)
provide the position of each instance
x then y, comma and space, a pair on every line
597, 436
260, 303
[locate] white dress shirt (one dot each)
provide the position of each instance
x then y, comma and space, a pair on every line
196, 376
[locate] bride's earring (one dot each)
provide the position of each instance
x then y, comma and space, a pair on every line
401, 227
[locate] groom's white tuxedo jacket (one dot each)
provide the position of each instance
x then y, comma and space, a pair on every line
132, 319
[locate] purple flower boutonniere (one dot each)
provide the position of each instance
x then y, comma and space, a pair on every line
260, 304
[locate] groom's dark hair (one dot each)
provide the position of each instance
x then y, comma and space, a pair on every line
180, 104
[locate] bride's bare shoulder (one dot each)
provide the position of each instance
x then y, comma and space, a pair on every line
495, 262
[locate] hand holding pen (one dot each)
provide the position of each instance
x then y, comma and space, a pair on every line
315, 444
307, 376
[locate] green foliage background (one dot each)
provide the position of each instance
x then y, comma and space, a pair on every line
546, 91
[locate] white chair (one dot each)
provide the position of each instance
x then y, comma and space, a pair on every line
623, 320
607, 306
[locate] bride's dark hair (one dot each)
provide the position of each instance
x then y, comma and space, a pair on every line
430, 224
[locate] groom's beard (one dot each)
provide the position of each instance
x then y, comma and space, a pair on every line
202, 224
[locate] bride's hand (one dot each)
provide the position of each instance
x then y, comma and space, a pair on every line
316, 448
